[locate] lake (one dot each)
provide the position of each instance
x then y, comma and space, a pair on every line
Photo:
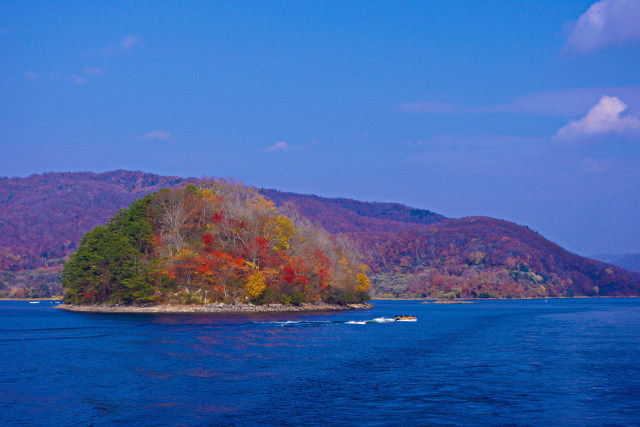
530, 362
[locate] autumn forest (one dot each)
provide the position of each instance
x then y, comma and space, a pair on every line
217, 240
214, 241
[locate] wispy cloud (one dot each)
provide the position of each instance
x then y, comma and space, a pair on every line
597, 166
605, 117
479, 154
156, 134
563, 103
96, 71
414, 143
434, 107
278, 146
131, 41
605, 23
79, 80
30, 75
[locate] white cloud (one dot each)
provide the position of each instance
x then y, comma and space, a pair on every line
605, 117
131, 41
156, 134
605, 23
561, 102
30, 75
278, 146
78, 79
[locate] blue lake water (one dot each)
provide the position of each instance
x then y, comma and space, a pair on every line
570, 362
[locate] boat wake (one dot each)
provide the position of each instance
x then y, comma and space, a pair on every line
312, 323
365, 322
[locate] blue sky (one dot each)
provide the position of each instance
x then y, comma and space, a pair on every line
526, 111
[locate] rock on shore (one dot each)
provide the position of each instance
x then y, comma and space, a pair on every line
212, 308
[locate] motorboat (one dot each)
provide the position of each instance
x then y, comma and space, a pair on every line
405, 318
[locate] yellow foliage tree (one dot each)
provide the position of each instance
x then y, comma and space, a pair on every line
362, 281
281, 231
262, 204
344, 263
256, 285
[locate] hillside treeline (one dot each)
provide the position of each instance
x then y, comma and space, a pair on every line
42, 218
484, 258
217, 241
411, 252
420, 254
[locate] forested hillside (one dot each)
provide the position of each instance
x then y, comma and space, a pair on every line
484, 257
217, 241
411, 252
42, 218
423, 254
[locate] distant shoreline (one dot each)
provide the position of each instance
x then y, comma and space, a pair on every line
449, 302
505, 299
212, 308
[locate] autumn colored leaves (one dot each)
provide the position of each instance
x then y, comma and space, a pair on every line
222, 241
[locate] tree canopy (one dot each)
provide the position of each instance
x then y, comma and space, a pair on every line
217, 241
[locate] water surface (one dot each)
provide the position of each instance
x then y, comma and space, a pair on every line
571, 362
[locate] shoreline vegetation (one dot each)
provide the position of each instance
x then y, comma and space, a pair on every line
209, 244
213, 308
375, 298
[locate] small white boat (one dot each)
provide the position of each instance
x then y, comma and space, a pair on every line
34, 302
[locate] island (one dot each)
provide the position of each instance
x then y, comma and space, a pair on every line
214, 246
214, 308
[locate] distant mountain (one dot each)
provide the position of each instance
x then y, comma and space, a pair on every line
345, 216
419, 253
629, 262
411, 252
42, 218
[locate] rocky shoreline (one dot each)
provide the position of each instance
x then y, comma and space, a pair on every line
212, 308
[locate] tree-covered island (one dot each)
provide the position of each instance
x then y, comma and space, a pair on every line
215, 242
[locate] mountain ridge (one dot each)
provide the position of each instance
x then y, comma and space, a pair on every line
411, 252
629, 262
378, 216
